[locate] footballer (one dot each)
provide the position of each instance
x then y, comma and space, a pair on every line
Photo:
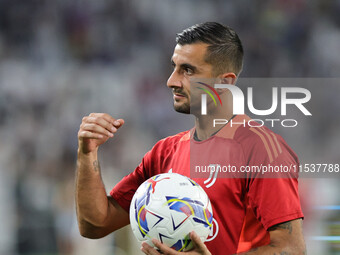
251, 215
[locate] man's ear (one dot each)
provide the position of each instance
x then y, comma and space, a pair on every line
228, 78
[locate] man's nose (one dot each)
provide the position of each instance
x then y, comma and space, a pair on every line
174, 81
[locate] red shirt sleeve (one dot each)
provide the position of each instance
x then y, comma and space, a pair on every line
273, 200
126, 188
152, 164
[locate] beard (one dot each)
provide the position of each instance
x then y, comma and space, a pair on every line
182, 108
183, 105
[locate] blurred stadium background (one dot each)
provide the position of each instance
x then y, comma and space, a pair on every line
61, 60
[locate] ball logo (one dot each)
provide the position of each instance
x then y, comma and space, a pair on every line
154, 182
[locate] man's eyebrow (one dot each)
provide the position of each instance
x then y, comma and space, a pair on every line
185, 66
188, 66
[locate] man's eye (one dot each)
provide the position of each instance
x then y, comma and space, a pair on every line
189, 71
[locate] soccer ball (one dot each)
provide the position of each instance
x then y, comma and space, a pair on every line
168, 207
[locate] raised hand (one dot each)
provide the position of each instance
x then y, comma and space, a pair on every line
95, 130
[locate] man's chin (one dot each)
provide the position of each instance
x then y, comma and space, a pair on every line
182, 108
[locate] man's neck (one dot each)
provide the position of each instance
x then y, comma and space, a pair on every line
204, 125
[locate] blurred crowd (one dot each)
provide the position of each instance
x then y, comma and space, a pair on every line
61, 60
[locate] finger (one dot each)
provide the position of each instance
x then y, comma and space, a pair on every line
102, 115
119, 122
147, 249
101, 122
91, 135
95, 128
197, 242
163, 248
108, 118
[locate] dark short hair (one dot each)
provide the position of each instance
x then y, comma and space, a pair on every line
224, 52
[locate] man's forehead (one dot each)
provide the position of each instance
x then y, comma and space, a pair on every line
194, 52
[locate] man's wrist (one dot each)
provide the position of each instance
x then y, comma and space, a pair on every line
90, 154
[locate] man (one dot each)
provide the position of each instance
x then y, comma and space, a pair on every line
252, 215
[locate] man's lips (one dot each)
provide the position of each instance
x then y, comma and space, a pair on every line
179, 96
